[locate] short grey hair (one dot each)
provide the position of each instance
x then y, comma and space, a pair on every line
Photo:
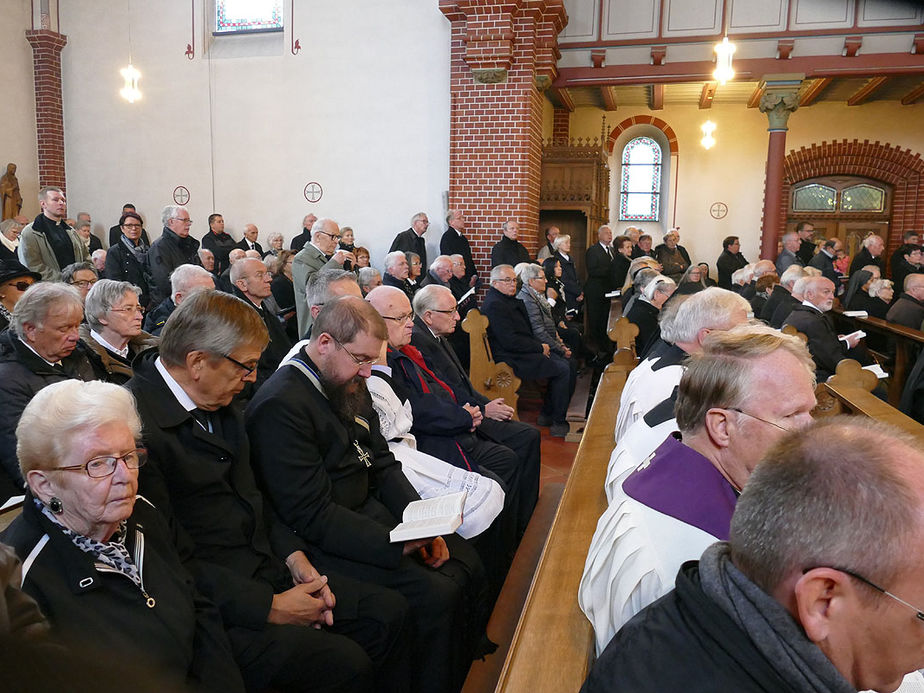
317, 291
67, 274
239, 268
181, 279
392, 259
205, 251
868, 241
644, 277
531, 271
877, 285
657, 283
63, 412
791, 274
169, 212
442, 258
560, 241
722, 374
417, 217
789, 236
320, 226
99, 252
34, 305
102, 297
82, 223
273, 236
707, 309
426, 297
7, 224
762, 267
799, 285
831, 495
410, 255
496, 271
366, 275
210, 321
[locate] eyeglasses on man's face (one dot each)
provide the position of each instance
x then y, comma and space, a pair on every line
358, 361
400, 319
104, 466
247, 369
918, 614
770, 423
182, 221
335, 236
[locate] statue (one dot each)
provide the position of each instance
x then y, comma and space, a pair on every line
10, 198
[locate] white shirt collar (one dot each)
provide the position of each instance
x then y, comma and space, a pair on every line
29, 347
123, 352
564, 255
812, 305
177, 390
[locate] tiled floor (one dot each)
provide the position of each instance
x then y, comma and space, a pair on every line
557, 455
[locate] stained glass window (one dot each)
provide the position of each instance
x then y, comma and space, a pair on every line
247, 15
863, 198
814, 198
640, 187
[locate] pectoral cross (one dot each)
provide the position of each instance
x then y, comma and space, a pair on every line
364, 456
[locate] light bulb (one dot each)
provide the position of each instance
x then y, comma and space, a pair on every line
723, 61
130, 91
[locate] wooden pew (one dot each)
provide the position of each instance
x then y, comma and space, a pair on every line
553, 647
490, 378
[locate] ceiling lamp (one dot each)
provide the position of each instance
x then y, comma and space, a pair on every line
130, 91
708, 140
723, 61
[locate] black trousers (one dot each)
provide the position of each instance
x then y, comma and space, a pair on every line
448, 609
524, 441
365, 650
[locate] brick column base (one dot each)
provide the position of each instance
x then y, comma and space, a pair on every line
49, 111
504, 53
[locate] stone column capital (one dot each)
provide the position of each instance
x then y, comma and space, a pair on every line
780, 98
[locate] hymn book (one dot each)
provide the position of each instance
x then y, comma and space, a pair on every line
430, 518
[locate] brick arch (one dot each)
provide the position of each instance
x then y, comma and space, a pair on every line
642, 120
901, 168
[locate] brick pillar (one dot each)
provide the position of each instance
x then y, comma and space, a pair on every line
561, 125
780, 99
504, 54
49, 113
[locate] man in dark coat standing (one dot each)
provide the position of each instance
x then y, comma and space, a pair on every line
508, 250
249, 241
453, 242
412, 240
871, 254
219, 242
285, 629
806, 251
824, 260
319, 453
599, 263
513, 342
175, 247
305, 236
729, 261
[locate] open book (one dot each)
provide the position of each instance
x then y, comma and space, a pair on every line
430, 518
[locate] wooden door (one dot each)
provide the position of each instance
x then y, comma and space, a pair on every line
573, 223
852, 233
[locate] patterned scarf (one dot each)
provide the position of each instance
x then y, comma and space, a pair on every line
112, 553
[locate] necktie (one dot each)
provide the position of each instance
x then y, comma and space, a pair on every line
203, 418
609, 251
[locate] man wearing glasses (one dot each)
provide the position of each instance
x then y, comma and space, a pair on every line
740, 395
818, 587
321, 253
329, 475
175, 247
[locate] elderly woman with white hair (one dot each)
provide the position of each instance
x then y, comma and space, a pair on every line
275, 241
41, 347
654, 291
9, 239
113, 328
100, 560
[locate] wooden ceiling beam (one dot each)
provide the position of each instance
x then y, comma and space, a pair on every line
913, 95
865, 92
563, 97
609, 98
707, 95
656, 97
811, 94
754, 98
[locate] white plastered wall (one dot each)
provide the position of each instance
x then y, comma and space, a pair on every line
363, 109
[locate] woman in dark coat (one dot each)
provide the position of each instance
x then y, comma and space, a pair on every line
127, 260
284, 292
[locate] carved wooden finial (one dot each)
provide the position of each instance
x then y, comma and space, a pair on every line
623, 333
850, 373
792, 331
475, 322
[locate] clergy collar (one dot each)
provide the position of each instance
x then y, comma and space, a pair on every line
123, 352
177, 389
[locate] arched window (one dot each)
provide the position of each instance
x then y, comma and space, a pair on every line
233, 16
640, 185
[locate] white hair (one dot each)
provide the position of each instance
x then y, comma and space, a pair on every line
791, 274
708, 309
182, 278
393, 257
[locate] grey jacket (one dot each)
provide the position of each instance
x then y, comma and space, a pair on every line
540, 319
306, 262
35, 252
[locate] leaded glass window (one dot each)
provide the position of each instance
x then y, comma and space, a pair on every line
247, 15
640, 187
814, 198
863, 198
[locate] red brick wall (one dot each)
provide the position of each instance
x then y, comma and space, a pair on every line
899, 167
642, 120
496, 129
49, 113
561, 125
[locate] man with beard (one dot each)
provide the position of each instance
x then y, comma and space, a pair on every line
327, 471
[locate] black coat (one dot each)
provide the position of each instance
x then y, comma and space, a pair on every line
907, 311
278, 346
782, 310
206, 483
601, 277
863, 258
644, 316
180, 637
308, 464
454, 243
22, 375
509, 329
155, 319
777, 296
166, 254
221, 244
508, 252
683, 642
243, 244
569, 278
300, 240
826, 349
123, 266
446, 365
826, 265
806, 252
901, 270
409, 242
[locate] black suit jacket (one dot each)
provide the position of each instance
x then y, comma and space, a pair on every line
806, 252
278, 346
863, 258
453, 243
244, 245
599, 272
826, 265
442, 360
409, 241
508, 252
300, 240
728, 263
205, 482
777, 296
308, 463
826, 349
